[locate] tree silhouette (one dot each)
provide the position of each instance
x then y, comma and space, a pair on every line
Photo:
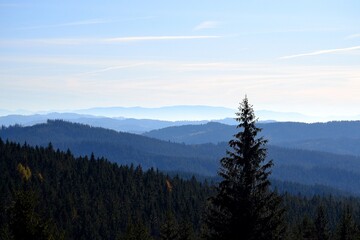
347, 229
321, 224
244, 206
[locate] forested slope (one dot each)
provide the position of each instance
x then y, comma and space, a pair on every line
89, 198
341, 137
292, 165
120, 147
92, 198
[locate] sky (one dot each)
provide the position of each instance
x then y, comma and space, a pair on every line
288, 56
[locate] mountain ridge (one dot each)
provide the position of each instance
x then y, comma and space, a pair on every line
187, 112
341, 137
301, 166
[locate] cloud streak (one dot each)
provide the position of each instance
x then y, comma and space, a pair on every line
68, 24
321, 52
207, 25
83, 23
139, 82
79, 41
352, 36
156, 38
113, 68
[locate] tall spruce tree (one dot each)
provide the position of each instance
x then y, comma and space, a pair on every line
169, 230
244, 206
347, 229
321, 224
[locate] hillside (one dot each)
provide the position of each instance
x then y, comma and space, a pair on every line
119, 124
341, 137
91, 198
195, 134
301, 166
120, 147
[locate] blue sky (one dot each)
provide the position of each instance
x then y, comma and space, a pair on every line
292, 56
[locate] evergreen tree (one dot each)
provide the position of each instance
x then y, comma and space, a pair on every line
347, 229
25, 223
245, 207
136, 232
185, 231
169, 230
307, 229
321, 224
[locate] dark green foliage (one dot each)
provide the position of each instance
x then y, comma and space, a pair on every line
169, 229
122, 148
347, 229
136, 232
298, 207
89, 198
172, 230
321, 224
25, 223
244, 206
92, 198
186, 231
308, 231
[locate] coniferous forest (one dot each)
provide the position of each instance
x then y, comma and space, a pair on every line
50, 194
87, 198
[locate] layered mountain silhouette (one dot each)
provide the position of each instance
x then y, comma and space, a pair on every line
341, 137
293, 165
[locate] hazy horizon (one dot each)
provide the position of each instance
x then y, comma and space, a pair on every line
183, 113
286, 56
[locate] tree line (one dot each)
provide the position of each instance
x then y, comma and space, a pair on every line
50, 194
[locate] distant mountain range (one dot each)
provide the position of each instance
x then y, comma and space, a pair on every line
186, 113
300, 166
341, 137
171, 113
117, 124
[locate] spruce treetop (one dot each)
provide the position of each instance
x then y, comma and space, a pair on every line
245, 207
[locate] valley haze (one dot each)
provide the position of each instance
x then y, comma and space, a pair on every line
174, 113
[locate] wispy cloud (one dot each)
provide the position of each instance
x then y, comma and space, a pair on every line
139, 82
321, 52
85, 22
289, 30
113, 68
79, 41
48, 41
352, 36
207, 25
75, 23
156, 38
